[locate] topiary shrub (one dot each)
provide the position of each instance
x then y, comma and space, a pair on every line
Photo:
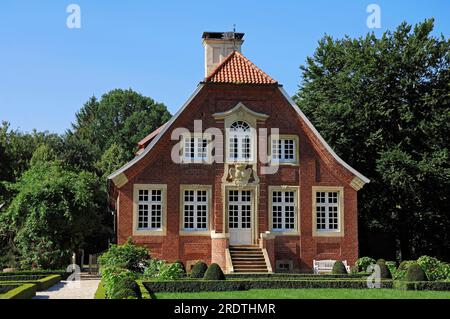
126, 289
214, 272
364, 262
381, 260
384, 271
339, 268
199, 269
415, 273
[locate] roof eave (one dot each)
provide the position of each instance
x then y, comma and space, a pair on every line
359, 179
118, 177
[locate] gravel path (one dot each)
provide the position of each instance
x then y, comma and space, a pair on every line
84, 289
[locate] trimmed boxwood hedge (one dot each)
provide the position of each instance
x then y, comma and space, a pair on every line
62, 273
41, 284
24, 291
295, 276
21, 277
100, 293
232, 285
423, 285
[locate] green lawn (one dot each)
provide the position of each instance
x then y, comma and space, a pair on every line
310, 294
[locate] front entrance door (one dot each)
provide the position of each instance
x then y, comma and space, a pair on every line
240, 217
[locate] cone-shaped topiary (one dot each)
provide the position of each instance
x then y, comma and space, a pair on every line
385, 273
199, 269
339, 268
214, 272
415, 273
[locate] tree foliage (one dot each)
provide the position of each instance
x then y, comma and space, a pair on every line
383, 105
53, 188
52, 213
121, 117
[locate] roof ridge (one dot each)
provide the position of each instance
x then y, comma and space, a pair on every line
221, 65
241, 70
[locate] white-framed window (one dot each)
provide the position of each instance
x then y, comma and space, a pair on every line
195, 149
240, 142
284, 149
284, 209
195, 209
150, 209
327, 210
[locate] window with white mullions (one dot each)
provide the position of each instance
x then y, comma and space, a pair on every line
327, 211
283, 150
149, 209
195, 149
195, 210
240, 142
283, 210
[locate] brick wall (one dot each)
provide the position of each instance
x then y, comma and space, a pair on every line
317, 167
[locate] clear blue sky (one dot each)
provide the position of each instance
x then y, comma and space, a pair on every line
48, 71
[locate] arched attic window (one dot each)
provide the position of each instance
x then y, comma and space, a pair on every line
240, 142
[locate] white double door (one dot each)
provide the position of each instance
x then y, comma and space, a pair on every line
240, 207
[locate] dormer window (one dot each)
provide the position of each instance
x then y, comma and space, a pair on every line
240, 124
240, 142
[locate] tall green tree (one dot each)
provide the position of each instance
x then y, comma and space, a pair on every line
121, 117
383, 105
54, 212
16, 150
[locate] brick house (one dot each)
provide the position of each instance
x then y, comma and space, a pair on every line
238, 176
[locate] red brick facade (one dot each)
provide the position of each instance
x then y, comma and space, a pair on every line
317, 167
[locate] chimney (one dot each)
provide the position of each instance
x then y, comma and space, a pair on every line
218, 45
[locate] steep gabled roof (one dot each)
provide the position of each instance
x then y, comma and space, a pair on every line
237, 69
234, 69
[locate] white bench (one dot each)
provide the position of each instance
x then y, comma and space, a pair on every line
326, 266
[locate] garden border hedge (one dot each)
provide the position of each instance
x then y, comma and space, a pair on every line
271, 277
64, 274
21, 278
21, 291
234, 285
298, 276
423, 285
41, 284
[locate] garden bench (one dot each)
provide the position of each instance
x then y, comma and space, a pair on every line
326, 266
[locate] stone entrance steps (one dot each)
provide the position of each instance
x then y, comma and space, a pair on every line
248, 259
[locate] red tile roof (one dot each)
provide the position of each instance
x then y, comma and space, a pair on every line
144, 142
237, 69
